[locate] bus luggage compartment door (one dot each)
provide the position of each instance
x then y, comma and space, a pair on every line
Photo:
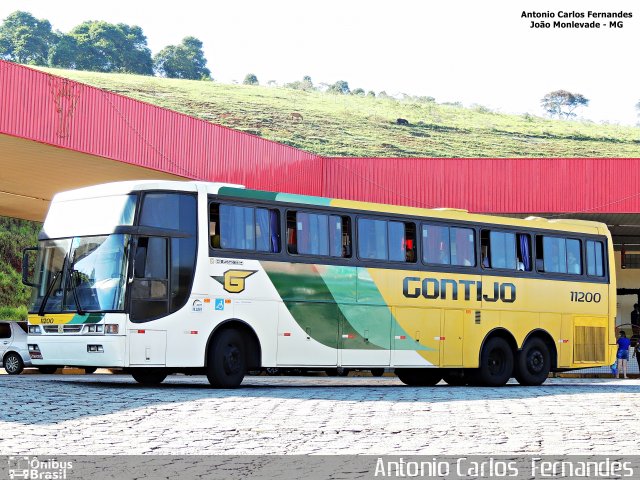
147, 347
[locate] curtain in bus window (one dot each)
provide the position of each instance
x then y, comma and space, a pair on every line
372, 239
595, 266
503, 250
574, 261
397, 246
335, 236
462, 247
263, 238
525, 251
435, 244
322, 239
275, 231
554, 255
237, 227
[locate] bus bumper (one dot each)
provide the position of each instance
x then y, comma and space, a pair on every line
89, 351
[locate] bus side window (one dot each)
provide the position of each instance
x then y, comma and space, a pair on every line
244, 228
595, 256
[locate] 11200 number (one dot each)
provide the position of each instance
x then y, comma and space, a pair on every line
585, 297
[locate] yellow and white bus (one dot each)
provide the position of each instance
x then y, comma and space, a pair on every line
159, 277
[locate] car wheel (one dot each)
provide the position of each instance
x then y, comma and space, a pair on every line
48, 369
419, 377
149, 376
496, 363
377, 372
227, 363
533, 363
90, 370
13, 363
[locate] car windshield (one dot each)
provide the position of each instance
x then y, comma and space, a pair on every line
81, 273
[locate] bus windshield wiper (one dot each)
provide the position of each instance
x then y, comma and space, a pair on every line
45, 299
72, 280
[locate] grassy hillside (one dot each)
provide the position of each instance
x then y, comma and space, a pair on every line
345, 125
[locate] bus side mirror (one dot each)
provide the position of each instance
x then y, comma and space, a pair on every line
25, 266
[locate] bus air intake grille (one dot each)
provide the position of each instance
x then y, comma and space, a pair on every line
589, 344
65, 328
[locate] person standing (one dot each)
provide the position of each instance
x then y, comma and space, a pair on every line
635, 319
623, 354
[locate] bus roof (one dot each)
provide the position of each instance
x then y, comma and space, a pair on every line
583, 226
239, 191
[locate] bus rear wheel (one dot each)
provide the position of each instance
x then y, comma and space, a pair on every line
226, 361
419, 377
533, 363
496, 363
149, 376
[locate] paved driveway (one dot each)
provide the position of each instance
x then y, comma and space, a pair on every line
110, 414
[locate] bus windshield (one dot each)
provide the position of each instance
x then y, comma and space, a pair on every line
81, 274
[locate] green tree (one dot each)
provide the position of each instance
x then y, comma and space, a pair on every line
105, 47
14, 236
250, 79
182, 61
340, 87
64, 53
358, 91
25, 39
561, 103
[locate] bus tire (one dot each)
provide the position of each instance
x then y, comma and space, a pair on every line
226, 361
533, 363
149, 376
456, 377
419, 377
377, 372
13, 363
496, 363
90, 370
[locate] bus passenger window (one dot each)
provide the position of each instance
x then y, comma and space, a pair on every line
501, 249
463, 247
435, 245
318, 234
386, 240
244, 228
448, 246
559, 255
574, 259
595, 256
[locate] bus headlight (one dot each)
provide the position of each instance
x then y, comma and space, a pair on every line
34, 330
93, 328
111, 328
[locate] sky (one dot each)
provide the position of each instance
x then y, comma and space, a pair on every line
475, 52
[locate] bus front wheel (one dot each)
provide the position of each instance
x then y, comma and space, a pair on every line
533, 363
226, 361
419, 377
149, 376
496, 363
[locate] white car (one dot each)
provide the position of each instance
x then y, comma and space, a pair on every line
13, 346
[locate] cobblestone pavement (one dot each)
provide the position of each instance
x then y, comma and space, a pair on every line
110, 414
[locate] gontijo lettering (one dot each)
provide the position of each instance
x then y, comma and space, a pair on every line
443, 288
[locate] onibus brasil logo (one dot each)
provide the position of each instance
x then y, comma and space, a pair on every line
33, 468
